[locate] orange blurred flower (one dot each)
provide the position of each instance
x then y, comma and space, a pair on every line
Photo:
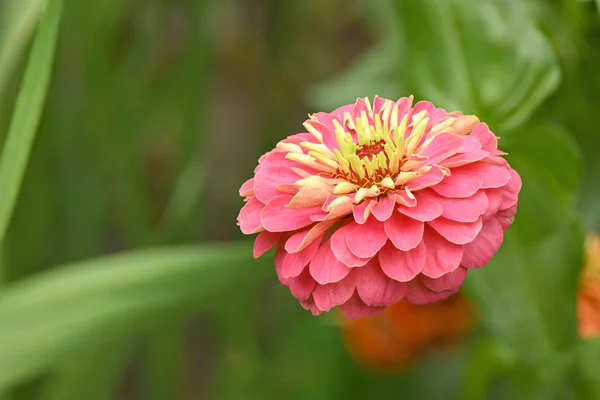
404, 332
588, 300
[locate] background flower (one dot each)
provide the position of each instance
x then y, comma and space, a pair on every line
588, 299
405, 332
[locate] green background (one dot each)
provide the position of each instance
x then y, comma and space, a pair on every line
127, 127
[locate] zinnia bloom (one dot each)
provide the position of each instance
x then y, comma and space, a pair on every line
405, 332
378, 203
588, 300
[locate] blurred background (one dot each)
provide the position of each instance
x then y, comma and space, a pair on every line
157, 111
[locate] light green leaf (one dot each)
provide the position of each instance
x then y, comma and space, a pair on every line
46, 318
17, 22
27, 112
527, 292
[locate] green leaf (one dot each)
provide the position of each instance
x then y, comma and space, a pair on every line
527, 292
588, 356
17, 23
375, 72
27, 112
165, 366
483, 57
46, 318
91, 375
484, 362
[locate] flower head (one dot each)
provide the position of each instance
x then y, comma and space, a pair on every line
588, 299
405, 332
378, 203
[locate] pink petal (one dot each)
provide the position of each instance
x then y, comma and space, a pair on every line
406, 233
311, 306
508, 200
514, 185
337, 212
426, 209
462, 182
325, 268
404, 107
279, 256
264, 241
442, 146
378, 103
506, 217
488, 140
495, 199
359, 107
294, 263
442, 256
375, 288
480, 251
467, 209
461, 159
456, 232
310, 196
431, 178
418, 293
362, 211
247, 188
402, 198
355, 308
494, 176
271, 176
328, 296
470, 153
365, 240
512, 189
300, 240
327, 131
384, 207
340, 249
414, 162
302, 286
400, 265
449, 282
299, 138
249, 217
421, 106
276, 217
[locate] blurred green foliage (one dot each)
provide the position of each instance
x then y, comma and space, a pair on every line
157, 111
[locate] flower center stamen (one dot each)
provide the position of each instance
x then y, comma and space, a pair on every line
376, 151
371, 149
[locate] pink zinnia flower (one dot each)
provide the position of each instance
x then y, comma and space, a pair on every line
378, 203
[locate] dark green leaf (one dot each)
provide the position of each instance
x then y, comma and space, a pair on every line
90, 375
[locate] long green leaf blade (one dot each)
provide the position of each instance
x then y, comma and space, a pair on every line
46, 318
27, 112
19, 20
